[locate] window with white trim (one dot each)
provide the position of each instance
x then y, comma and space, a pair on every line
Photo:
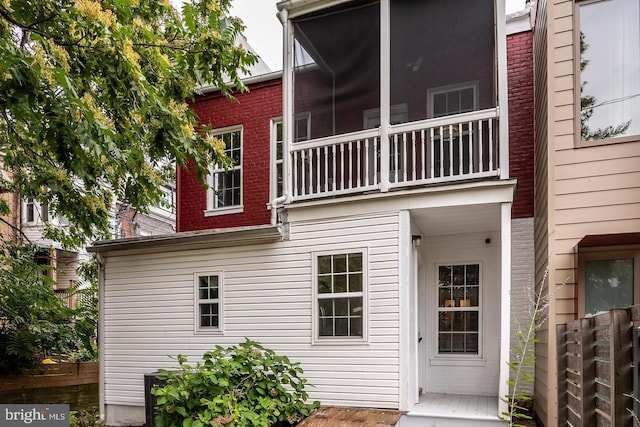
453, 99
208, 302
340, 290
225, 186
30, 210
301, 133
35, 212
459, 309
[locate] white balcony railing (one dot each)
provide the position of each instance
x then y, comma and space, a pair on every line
439, 150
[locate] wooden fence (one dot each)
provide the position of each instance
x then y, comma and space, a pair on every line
596, 369
72, 383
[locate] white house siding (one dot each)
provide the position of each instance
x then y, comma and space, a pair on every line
149, 312
522, 279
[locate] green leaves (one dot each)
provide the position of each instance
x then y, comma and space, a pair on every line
243, 385
93, 99
35, 322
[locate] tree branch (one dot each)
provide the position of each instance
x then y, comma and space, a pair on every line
13, 227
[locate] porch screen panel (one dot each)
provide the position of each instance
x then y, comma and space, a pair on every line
458, 309
337, 66
442, 56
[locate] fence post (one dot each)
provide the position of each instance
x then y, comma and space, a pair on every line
621, 372
636, 373
588, 372
561, 348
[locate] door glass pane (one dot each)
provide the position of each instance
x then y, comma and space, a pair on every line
608, 284
459, 309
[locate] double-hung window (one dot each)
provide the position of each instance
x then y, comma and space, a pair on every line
459, 309
340, 292
225, 186
607, 42
208, 299
30, 210
301, 133
35, 212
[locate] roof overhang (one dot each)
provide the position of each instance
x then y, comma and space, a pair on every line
593, 240
215, 238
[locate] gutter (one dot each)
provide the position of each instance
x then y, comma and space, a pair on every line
101, 352
209, 88
215, 238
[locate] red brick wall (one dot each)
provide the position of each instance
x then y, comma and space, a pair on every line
253, 111
520, 82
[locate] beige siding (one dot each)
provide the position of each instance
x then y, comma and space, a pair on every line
591, 190
149, 310
541, 192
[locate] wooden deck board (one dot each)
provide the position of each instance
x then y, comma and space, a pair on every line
351, 417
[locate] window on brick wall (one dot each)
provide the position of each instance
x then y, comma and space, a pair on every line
302, 131
224, 195
607, 43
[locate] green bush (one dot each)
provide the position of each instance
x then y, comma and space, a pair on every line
35, 323
243, 385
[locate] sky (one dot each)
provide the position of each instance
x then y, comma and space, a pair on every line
264, 31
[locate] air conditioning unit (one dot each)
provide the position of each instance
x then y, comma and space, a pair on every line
150, 381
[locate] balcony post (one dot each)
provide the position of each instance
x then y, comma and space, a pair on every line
287, 103
503, 113
385, 92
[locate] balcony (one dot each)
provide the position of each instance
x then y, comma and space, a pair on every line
388, 95
432, 151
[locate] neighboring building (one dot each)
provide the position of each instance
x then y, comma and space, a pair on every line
371, 227
587, 167
31, 218
157, 220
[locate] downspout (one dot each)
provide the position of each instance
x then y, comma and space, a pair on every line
274, 207
101, 385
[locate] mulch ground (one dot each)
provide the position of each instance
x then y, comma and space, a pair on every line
351, 417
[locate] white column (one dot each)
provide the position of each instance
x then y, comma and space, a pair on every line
503, 94
505, 303
287, 102
406, 302
385, 73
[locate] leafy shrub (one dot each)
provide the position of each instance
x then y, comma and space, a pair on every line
35, 323
243, 385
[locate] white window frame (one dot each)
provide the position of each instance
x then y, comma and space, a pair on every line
39, 212
460, 357
211, 330
316, 338
30, 211
431, 92
214, 169
398, 113
275, 122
